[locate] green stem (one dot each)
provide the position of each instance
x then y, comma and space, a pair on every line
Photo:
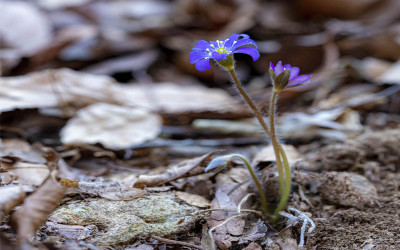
275, 144
263, 199
249, 101
284, 189
284, 183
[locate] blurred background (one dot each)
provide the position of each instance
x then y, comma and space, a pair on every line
351, 47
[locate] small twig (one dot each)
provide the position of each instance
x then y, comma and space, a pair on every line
175, 242
243, 201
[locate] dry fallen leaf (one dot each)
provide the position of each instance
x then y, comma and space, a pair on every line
33, 213
227, 196
10, 197
193, 199
336, 123
113, 126
55, 88
112, 191
28, 173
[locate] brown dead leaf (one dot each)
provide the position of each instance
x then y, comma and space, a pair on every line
173, 172
55, 88
33, 213
113, 126
226, 234
10, 197
20, 150
286, 239
193, 199
112, 191
28, 173
253, 246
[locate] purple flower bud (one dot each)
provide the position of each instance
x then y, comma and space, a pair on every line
286, 76
222, 51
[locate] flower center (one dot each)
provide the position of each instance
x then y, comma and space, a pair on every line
222, 50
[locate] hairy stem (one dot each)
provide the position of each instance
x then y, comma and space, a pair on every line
285, 182
263, 199
275, 144
249, 102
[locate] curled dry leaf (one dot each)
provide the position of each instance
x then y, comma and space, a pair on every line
111, 191
113, 126
27, 219
173, 172
10, 197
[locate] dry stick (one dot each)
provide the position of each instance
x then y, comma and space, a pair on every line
175, 242
239, 206
266, 129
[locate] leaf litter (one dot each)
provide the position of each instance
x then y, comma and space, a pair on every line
139, 183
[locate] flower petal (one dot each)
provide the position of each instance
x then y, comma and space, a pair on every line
278, 68
272, 66
298, 80
203, 65
195, 56
214, 45
249, 51
233, 38
243, 42
229, 42
294, 72
201, 45
218, 56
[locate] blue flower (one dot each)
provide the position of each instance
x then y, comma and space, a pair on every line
292, 78
222, 50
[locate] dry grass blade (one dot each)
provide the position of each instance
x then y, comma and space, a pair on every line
36, 208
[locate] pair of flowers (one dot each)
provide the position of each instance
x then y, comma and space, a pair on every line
284, 76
